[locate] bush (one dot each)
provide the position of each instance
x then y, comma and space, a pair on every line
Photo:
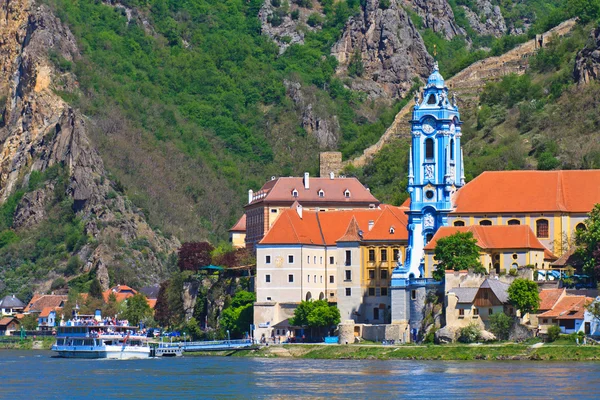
469, 334
553, 333
295, 14
500, 325
314, 19
58, 283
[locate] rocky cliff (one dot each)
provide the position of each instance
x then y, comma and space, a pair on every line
587, 62
387, 45
486, 18
40, 130
438, 16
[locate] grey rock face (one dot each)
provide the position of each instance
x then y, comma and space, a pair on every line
390, 47
438, 16
445, 335
587, 62
315, 118
487, 19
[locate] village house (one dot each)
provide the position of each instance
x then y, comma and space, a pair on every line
8, 325
559, 308
11, 305
591, 324
237, 233
39, 302
123, 292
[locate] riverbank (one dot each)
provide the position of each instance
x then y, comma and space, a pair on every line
27, 344
545, 352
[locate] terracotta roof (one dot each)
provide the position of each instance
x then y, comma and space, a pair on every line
493, 236
41, 301
569, 307
280, 190
352, 233
321, 228
46, 311
122, 292
151, 303
7, 320
569, 257
530, 191
240, 225
549, 297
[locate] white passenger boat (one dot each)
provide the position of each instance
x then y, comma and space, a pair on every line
103, 340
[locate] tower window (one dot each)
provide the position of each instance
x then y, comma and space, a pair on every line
452, 149
429, 194
485, 222
428, 237
431, 99
429, 148
514, 222
541, 228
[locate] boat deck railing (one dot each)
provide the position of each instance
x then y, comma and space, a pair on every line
209, 345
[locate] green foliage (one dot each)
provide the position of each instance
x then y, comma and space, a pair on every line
457, 252
95, 289
469, 334
553, 333
524, 295
58, 283
239, 315
588, 241
510, 90
29, 322
356, 67
585, 10
317, 314
594, 309
500, 324
136, 309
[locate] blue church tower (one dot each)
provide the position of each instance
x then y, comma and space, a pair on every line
435, 172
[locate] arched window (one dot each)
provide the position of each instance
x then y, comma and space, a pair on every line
429, 148
294, 193
541, 228
431, 99
459, 223
321, 193
308, 296
485, 222
428, 237
514, 222
580, 227
452, 149
346, 193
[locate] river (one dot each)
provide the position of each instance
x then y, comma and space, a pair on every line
35, 375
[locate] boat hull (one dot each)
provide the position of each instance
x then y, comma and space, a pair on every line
108, 352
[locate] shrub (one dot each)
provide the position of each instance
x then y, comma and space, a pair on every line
469, 334
314, 19
500, 325
553, 333
295, 14
58, 283
513, 272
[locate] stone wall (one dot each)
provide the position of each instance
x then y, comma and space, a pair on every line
330, 161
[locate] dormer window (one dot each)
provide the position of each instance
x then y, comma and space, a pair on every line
392, 230
294, 193
347, 193
321, 193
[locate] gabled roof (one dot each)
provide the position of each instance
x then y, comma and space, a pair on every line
11, 301
280, 190
40, 301
151, 292
240, 225
465, 294
46, 311
573, 191
121, 292
500, 289
326, 228
352, 233
7, 320
493, 236
549, 297
569, 307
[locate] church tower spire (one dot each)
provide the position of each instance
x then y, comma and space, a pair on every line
436, 167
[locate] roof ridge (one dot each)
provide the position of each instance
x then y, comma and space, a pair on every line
320, 229
292, 225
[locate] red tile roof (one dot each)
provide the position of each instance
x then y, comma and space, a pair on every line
46, 311
569, 307
280, 190
549, 297
530, 191
328, 227
121, 292
240, 225
41, 301
7, 320
493, 236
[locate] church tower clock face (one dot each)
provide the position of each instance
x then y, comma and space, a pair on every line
429, 125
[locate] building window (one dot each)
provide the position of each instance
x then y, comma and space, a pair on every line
413, 294
347, 193
461, 313
348, 275
383, 255
384, 274
268, 278
273, 210
384, 291
348, 291
308, 278
545, 321
348, 257
331, 260
514, 222
580, 227
376, 313
290, 278
541, 228
268, 298
392, 230
371, 255
314, 279
290, 259
371, 291
321, 279
429, 194
371, 274
321, 193
452, 149
459, 223
485, 222
395, 254
294, 193
431, 99
321, 260
475, 312
490, 311
429, 154
267, 259
331, 279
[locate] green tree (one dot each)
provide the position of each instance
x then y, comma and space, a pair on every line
588, 240
594, 309
585, 10
469, 334
500, 324
29, 322
136, 309
458, 252
553, 333
315, 314
95, 289
239, 315
524, 295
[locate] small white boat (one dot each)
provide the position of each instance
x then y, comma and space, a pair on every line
101, 341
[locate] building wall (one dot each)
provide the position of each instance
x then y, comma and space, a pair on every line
237, 239
453, 317
330, 161
350, 292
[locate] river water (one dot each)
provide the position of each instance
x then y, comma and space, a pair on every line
35, 375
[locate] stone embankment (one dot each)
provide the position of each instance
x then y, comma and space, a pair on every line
467, 84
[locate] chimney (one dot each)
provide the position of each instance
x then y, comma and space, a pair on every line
371, 223
299, 210
306, 183
331, 175
250, 195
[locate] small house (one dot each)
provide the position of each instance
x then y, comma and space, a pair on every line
8, 325
11, 305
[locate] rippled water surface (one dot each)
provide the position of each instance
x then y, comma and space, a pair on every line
31, 375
